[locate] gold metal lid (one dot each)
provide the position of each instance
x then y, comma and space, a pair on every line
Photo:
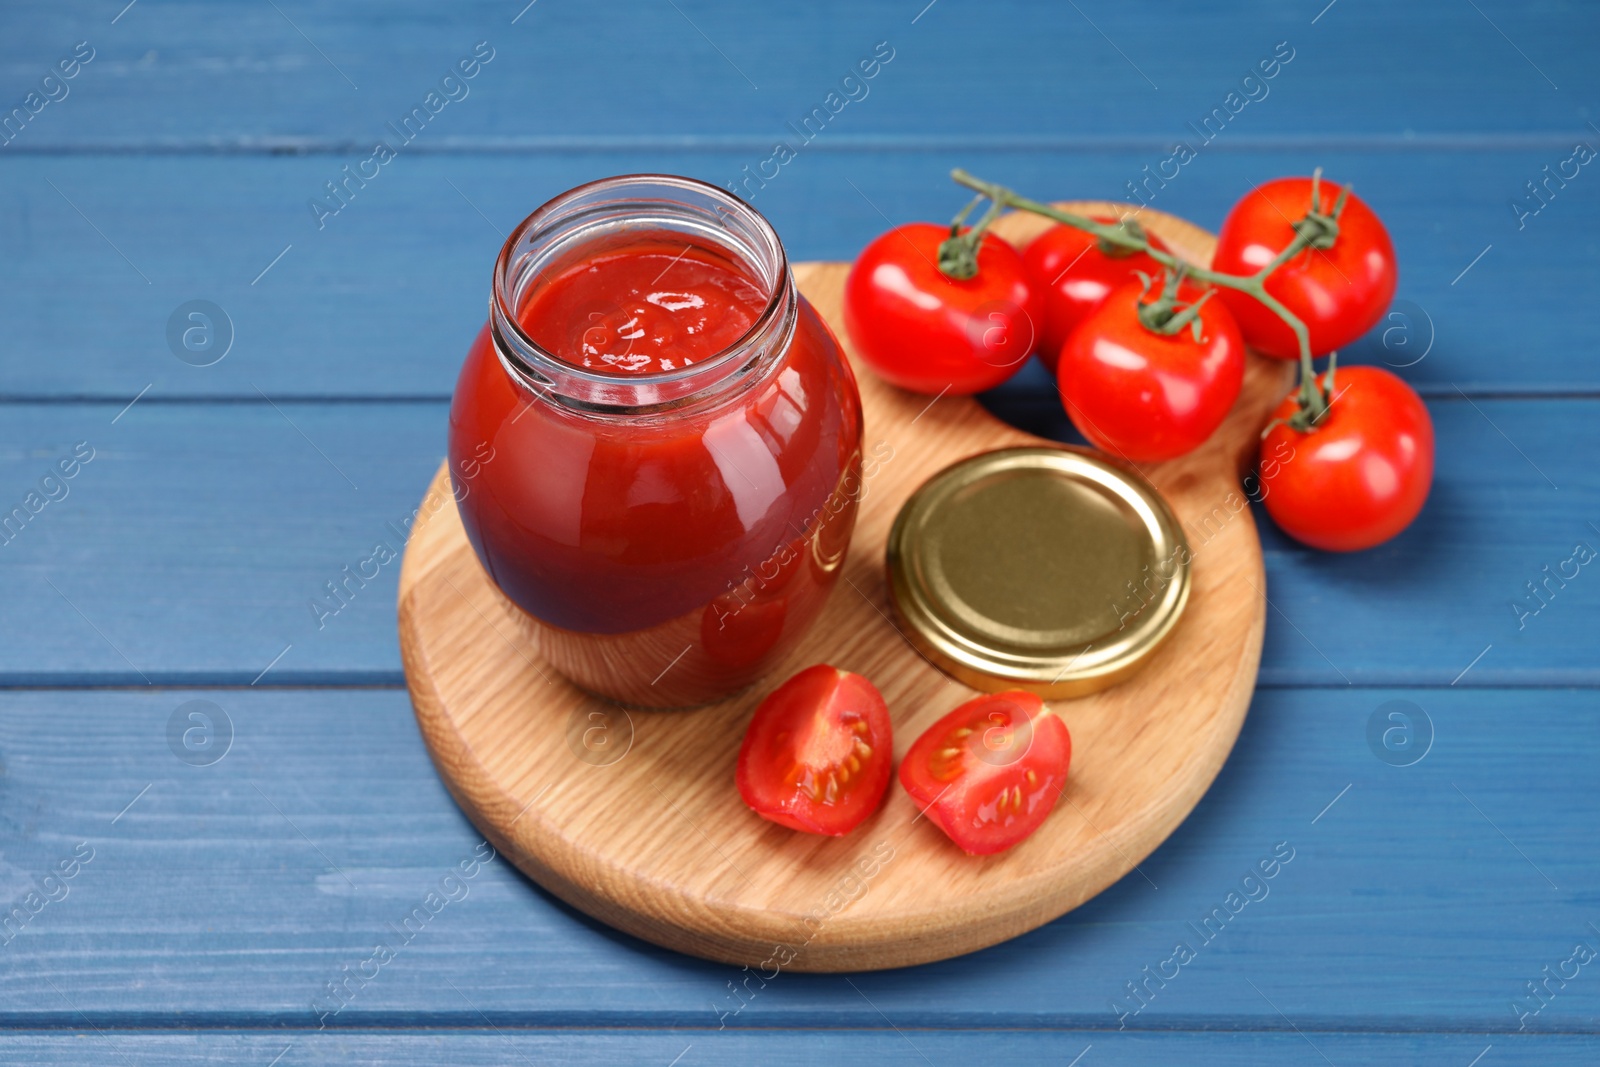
1049, 569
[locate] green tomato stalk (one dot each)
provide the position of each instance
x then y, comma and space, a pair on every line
958, 258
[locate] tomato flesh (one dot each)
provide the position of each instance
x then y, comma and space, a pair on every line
922, 330
989, 773
1072, 276
818, 752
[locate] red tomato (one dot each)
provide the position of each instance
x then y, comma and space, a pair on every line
1072, 276
927, 332
988, 773
817, 755
1362, 474
1339, 293
1147, 396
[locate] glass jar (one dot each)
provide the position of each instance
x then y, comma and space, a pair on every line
671, 530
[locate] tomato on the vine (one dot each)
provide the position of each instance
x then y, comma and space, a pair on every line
1361, 474
1073, 273
818, 752
989, 773
1339, 292
925, 331
1148, 396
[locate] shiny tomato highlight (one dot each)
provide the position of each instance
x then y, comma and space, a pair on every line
1339, 293
1073, 275
922, 330
818, 753
1362, 474
1147, 396
989, 773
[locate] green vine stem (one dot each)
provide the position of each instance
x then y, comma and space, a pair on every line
1318, 229
1166, 315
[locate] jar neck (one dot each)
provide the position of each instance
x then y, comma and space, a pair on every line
598, 214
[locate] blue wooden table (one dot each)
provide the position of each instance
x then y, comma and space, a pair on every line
178, 890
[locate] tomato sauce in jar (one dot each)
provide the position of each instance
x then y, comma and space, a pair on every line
674, 441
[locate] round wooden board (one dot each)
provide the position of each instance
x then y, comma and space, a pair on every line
653, 838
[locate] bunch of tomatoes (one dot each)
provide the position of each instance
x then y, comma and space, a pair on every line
1149, 353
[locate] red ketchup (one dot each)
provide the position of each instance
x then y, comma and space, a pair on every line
655, 442
647, 307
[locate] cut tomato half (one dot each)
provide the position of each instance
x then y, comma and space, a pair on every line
818, 753
989, 773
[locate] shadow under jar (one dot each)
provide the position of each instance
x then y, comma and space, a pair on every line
655, 442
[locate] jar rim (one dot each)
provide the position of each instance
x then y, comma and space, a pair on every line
546, 373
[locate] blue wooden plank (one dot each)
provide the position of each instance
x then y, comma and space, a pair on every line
190, 548
1422, 898
193, 542
1418, 898
298, 74
783, 1048
103, 252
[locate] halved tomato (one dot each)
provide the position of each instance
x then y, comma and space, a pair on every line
988, 773
818, 753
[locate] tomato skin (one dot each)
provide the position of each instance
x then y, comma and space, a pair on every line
975, 785
1339, 293
795, 763
1073, 276
1146, 396
927, 332
1362, 475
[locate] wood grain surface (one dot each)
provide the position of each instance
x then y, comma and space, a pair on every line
631, 815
